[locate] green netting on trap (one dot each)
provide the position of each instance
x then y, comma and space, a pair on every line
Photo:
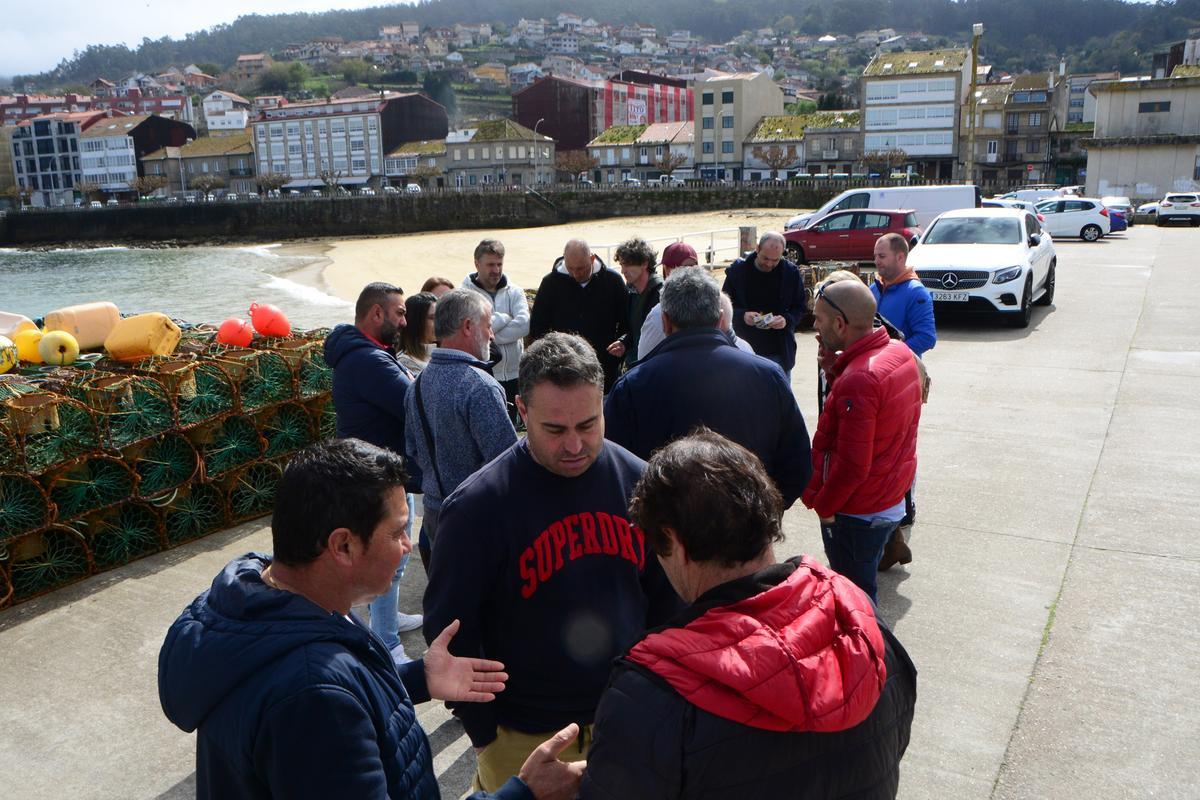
194, 511
93, 483
228, 444
47, 560
163, 464
49, 429
6, 590
324, 416
262, 377
200, 391
120, 535
287, 428
10, 455
252, 490
314, 375
129, 408
305, 356
24, 506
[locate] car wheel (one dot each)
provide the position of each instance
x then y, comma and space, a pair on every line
1090, 233
1048, 296
1196, 222
794, 253
1021, 319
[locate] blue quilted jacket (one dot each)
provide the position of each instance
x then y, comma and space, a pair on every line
291, 701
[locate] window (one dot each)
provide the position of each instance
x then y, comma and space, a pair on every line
1035, 120
727, 122
1033, 146
882, 91
727, 147
293, 129
706, 123
458, 155
624, 153
1076, 102
644, 152
1013, 122
470, 154
870, 222
1154, 108
472, 180
727, 96
992, 147
487, 153
707, 147
706, 99
842, 222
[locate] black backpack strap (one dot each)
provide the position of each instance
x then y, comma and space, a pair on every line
437, 475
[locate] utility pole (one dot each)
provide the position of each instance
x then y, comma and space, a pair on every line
976, 32
536, 152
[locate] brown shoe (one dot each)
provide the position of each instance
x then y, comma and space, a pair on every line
895, 552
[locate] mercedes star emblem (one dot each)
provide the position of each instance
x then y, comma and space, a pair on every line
949, 280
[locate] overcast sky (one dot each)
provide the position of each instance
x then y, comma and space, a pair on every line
33, 42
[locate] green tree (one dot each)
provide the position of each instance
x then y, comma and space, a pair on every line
440, 88
355, 71
275, 79
209, 68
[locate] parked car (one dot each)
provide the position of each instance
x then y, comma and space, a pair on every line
670, 180
926, 201
1023, 205
1148, 208
189, 198
1122, 204
849, 235
585, 182
232, 197
112, 201
1185, 207
412, 188
987, 260
631, 183
1117, 221
252, 196
366, 191
1032, 194
95, 204
1085, 217
390, 190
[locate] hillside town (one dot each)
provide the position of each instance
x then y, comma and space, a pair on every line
573, 100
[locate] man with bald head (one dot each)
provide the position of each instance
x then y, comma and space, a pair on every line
865, 448
768, 300
581, 295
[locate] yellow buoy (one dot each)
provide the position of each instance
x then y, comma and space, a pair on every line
8, 354
58, 348
27, 345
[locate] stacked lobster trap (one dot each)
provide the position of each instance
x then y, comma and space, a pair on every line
104, 462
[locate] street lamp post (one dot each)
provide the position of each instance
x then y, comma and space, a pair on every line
976, 32
536, 151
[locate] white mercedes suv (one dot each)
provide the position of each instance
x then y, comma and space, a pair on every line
987, 260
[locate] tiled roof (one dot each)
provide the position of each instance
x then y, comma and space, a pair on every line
1079, 127
675, 132
791, 127
427, 147
919, 62
1186, 71
251, 57
620, 134
115, 126
501, 130
1031, 81
991, 95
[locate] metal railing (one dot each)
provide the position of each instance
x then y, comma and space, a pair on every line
719, 240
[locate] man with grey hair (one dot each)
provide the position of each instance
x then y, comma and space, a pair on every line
455, 416
537, 559
581, 295
726, 324
768, 300
698, 377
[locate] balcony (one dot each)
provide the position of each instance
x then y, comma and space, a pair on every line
991, 158
240, 172
829, 155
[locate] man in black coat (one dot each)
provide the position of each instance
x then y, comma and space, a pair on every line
768, 300
777, 681
581, 295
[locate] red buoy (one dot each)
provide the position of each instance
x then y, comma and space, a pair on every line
269, 320
236, 332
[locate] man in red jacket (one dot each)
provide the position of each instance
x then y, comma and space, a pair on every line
865, 447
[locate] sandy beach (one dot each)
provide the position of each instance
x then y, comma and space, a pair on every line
348, 264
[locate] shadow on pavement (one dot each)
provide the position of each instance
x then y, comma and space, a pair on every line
892, 605
963, 327
184, 790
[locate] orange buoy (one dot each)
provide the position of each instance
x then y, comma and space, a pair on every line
236, 332
269, 320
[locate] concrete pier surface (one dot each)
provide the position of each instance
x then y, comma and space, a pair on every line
1049, 606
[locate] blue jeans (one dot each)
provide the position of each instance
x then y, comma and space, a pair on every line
854, 547
384, 620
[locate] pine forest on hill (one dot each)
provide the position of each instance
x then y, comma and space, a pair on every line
1021, 35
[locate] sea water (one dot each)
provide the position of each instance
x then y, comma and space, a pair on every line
194, 284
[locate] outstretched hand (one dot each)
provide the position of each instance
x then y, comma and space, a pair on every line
451, 677
547, 777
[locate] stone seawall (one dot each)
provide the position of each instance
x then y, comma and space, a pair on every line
278, 220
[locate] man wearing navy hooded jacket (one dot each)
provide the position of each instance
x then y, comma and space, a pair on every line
291, 695
777, 681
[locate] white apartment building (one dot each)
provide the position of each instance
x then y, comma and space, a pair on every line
563, 42
349, 137
107, 156
911, 101
226, 111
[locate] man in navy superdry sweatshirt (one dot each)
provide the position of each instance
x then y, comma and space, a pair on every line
536, 557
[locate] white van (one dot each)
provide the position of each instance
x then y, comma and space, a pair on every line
1033, 194
926, 201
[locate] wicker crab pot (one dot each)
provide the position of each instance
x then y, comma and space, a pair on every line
262, 377
45, 560
200, 390
287, 428
227, 444
24, 506
90, 484
305, 356
122, 534
324, 416
129, 408
49, 429
194, 511
251, 490
6, 590
163, 464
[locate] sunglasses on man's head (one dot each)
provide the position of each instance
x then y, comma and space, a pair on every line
833, 305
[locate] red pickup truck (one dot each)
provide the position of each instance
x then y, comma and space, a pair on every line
849, 235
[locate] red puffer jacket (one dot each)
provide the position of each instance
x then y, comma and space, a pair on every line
865, 448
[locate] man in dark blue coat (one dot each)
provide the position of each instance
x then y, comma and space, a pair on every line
768, 300
698, 377
292, 696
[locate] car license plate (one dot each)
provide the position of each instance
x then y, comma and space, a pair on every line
951, 297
